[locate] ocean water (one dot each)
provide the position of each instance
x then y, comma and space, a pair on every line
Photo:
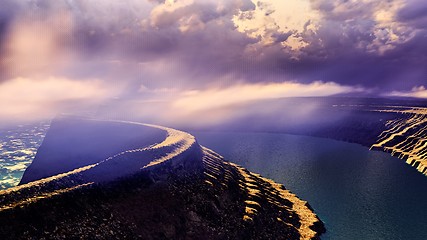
359, 194
18, 146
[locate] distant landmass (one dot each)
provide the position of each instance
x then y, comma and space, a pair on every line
395, 125
97, 179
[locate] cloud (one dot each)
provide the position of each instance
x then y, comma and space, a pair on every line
193, 101
414, 12
24, 98
329, 37
33, 48
221, 105
416, 92
254, 106
203, 41
216, 47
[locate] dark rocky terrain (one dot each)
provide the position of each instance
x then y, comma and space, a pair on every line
197, 196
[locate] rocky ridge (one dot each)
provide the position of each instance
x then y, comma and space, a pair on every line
173, 189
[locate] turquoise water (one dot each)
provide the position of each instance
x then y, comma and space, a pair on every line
359, 194
18, 146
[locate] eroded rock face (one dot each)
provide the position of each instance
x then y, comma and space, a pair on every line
173, 189
405, 137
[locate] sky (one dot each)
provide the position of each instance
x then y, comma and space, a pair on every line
74, 55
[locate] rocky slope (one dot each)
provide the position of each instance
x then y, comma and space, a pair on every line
164, 189
406, 136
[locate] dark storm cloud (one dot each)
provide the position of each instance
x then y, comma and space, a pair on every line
352, 47
198, 43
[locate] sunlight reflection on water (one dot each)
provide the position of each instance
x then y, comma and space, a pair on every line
18, 146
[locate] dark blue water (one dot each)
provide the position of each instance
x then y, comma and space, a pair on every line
359, 194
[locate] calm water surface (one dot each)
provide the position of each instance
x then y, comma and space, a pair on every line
359, 194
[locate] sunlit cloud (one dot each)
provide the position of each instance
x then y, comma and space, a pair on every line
198, 55
416, 92
303, 40
277, 22
24, 98
216, 98
224, 104
35, 45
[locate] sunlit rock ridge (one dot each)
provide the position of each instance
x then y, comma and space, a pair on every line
405, 136
96, 179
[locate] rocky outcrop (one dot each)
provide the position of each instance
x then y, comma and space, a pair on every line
168, 189
406, 137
